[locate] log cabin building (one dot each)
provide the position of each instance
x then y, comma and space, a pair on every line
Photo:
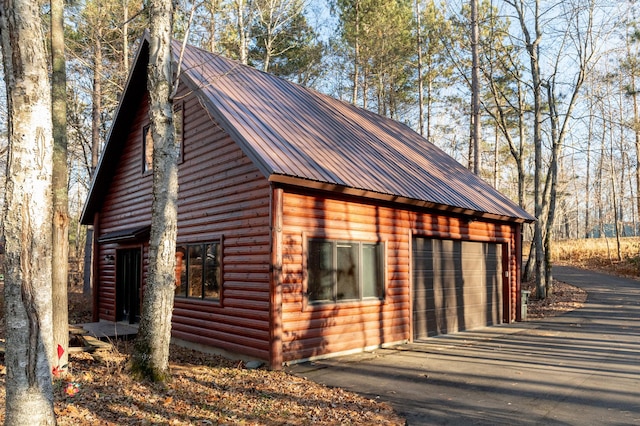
307, 227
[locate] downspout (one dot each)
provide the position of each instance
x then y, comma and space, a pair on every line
275, 281
95, 265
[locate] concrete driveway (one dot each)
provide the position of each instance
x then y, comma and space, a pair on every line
582, 368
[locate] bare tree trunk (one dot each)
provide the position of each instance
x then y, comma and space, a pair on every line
125, 36
420, 82
496, 152
616, 221
356, 59
151, 355
26, 224
96, 98
212, 8
636, 128
587, 221
532, 45
599, 185
521, 145
429, 109
634, 221
475, 91
242, 32
614, 190
60, 243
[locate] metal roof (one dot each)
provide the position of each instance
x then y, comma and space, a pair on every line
290, 131
299, 136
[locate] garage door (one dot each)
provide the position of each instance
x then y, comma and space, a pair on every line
457, 285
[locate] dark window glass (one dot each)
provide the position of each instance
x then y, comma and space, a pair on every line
195, 271
198, 270
320, 262
212, 271
340, 270
147, 149
181, 271
347, 273
372, 280
178, 122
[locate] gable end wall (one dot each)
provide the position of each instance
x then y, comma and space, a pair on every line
223, 196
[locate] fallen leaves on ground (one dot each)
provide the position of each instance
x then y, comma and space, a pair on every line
564, 298
204, 390
212, 390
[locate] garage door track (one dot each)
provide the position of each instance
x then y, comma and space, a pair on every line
581, 368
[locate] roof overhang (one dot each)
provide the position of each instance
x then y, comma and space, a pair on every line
390, 198
126, 235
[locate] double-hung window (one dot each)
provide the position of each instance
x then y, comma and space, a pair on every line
344, 270
198, 270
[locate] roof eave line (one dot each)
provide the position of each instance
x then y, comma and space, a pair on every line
363, 193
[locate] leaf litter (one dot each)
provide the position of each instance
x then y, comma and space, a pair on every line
207, 389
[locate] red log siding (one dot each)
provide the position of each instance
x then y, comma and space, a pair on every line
127, 204
222, 196
310, 330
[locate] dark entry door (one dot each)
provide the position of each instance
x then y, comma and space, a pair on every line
457, 285
128, 270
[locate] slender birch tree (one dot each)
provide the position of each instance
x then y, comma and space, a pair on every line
150, 359
26, 224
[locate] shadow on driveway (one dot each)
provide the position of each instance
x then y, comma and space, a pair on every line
581, 368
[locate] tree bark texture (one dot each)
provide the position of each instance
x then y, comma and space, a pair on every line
419, 69
533, 45
151, 355
60, 243
27, 217
474, 151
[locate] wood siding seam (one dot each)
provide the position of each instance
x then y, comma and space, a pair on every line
95, 268
305, 275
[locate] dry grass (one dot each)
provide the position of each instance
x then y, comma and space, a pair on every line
600, 254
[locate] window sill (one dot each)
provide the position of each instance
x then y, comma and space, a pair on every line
343, 304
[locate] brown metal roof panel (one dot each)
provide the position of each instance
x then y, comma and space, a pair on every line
290, 130
218, 81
